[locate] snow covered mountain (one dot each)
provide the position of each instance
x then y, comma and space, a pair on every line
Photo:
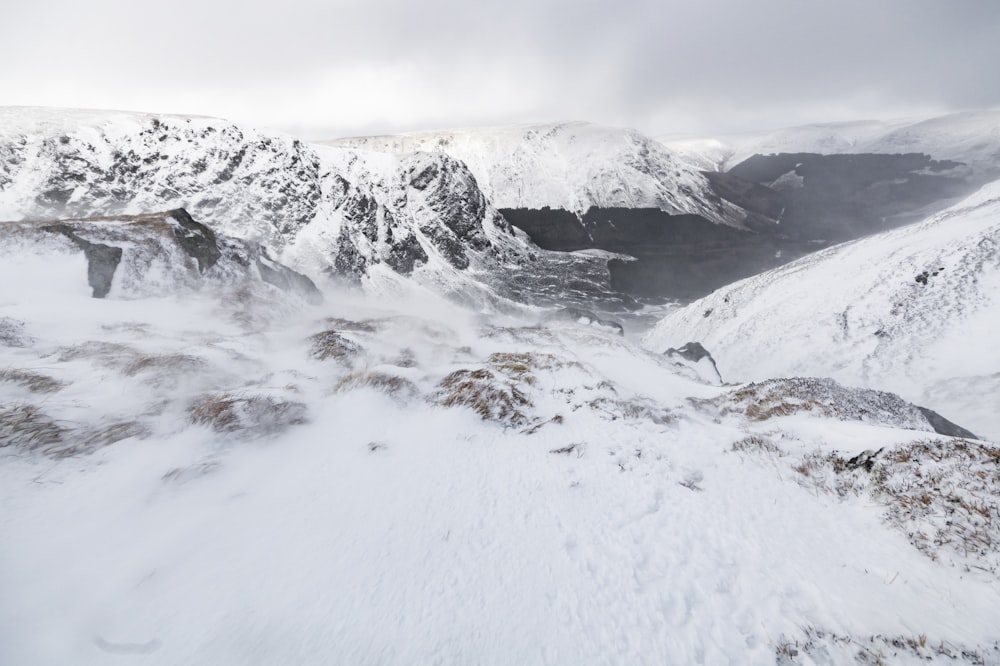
389, 219
569, 166
206, 457
972, 138
913, 310
224, 474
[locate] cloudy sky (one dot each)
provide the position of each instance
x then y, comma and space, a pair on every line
334, 68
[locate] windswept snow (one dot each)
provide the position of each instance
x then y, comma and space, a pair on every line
228, 477
572, 166
913, 310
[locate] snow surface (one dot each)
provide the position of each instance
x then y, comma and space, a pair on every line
913, 311
572, 166
971, 137
358, 519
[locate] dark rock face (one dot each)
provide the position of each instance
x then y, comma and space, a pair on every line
943, 426
102, 260
197, 240
132, 246
286, 279
693, 352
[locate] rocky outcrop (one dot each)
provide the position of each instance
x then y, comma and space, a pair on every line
695, 356
330, 210
154, 254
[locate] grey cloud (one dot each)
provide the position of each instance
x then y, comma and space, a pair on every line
436, 63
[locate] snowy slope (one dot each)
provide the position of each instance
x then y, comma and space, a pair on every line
912, 310
970, 137
414, 218
214, 477
572, 166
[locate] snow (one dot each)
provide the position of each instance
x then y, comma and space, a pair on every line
572, 166
858, 313
184, 480
389, 528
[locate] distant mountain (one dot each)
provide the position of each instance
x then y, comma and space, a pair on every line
972, 138
913, 310
569, 166
328, 211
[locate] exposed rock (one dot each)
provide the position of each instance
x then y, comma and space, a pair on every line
102, 260
943, 426
151, 254
197, 240
286, 279
695, 356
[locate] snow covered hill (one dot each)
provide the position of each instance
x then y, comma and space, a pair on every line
227, 475
972, 138
392, 220
913, 310
570, 166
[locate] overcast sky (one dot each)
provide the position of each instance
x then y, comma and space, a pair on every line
332, 68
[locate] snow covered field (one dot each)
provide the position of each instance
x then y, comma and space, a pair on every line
232, 476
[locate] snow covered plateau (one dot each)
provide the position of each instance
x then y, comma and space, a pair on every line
265, 402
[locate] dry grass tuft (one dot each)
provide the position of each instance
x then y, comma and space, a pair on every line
250, 415
162, 362
364, 326
107, 353
406, 359
34, 382
330, 344
27, 427
191, 472
635, 409
111, 434
756, 444
12, 333
941, 493
392, 385
492, 395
